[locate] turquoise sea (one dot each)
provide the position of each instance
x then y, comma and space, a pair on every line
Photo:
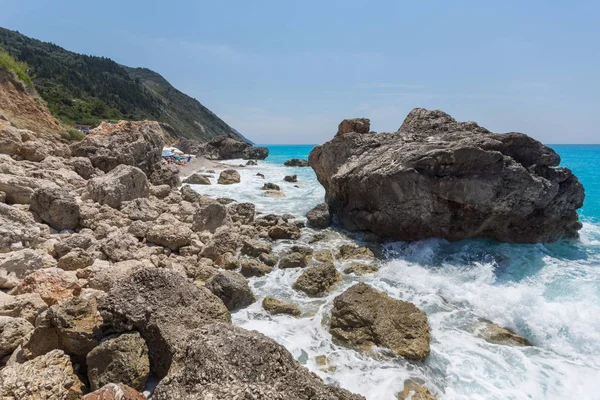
549, 293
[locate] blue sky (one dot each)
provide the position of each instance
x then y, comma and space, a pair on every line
290, 71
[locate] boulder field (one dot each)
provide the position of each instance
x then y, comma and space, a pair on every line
437, 177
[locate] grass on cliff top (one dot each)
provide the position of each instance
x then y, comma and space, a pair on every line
20, 68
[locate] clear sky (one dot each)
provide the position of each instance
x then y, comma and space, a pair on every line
288, 71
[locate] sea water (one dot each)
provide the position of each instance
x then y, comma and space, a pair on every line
549, 293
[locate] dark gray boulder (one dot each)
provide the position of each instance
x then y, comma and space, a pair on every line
437, 177
226, 148
232, 288
319, 216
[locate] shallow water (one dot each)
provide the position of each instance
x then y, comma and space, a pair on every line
548, 293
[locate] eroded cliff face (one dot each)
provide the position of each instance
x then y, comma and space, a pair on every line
22, 107
437, 177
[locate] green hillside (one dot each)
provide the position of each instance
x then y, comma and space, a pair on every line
88, 89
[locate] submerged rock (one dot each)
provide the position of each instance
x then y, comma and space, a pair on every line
225, 362
365, 317
295, 162
291, 178
437, 177
270, 186
414, 391
317, 280
494, 333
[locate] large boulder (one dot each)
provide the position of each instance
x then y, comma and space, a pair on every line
226, 148
357, 125
229, 177
165, 174
232, 288
123, 183
134, 143
317, 280
210, 217
169, 235
18, 229
15, 265
119, 359
57, 207
27, 306
365, 317
437, 177
13, 332
318, 216
275, 306
114, 391
48, 377
52, 284
225, 362
164, 307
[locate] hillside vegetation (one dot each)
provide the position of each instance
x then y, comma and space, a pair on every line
88, 89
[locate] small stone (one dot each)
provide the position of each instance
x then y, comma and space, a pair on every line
275, 306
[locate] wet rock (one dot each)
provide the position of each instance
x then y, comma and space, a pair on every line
437, 177
496, 334
274, 194
317, 280
27, 306
260, 367
251, 162
13, 332
293, 260
284, 231
210, 217
71, 326
151, 302
123, 183
232, 288
260, 175
358, 268
268, 259
47, 377
57, 207
242, 212
275, 306
323, 256
115, 391
319, 216
350, 252
414, 391
317, 237
291, 178
357, 125
295, 162
197, 179
270, 186
15, 265
228, 177
254, 248
52, 284
169, 235
252, 268
119, 359
364, 317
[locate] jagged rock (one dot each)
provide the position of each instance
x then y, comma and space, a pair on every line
52, 284
17, 228
2, 197
414, 391
160, 191
225, 200
358, 268
83, 167
71, 326
115, 391
268, 259
48, 377
295, 162
224, 240
123, 183
363, 316
170, 236
254, 152
252, 268
20, 189
120, 246
275, 306
317, 280
496, 334
437, 177
227, 148
165, 175
151, 302
105, 278
293, 260
228, 261
232, 288
119, 359
284, 231
13, 332
189, 194
134, 143
27, 306
57, 207
242, 212
197, 179
254, 248
74, 260
261, 369
15, 265
228, 177
319, 216
291, 178
323, 256
350, 252
141, 209
74, 242
210, 217
270, 186
357, 125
